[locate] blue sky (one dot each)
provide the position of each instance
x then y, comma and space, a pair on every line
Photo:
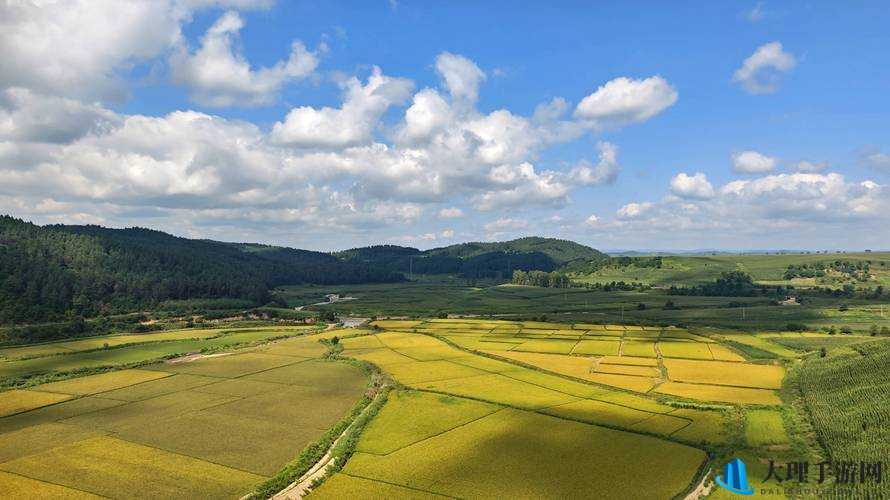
678, 125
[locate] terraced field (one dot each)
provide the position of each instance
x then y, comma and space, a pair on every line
478, 408
18, 364
210, 428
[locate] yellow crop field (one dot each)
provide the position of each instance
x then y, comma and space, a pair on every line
764, 427
629, 382
638, 348
691, 350
16, 487
664, 425
639, 371
16, 401
107, 466
599, 347
723, 353
720, 393
575, 366
380, 357
102, 382
621, 360
362, 342
517, 460
159, 387
345, 486
708, 426
395, 323
500, 389
600, 412
234, 365
427, 371
725, 373
396, 340
547, 346
411, 416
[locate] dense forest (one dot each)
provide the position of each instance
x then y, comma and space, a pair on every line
55, 273
477, 260
62, 273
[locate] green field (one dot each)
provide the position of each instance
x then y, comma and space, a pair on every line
17, 364
845, 395
425, 298
211, 427
469, 450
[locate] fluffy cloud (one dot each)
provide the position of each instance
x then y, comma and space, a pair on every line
27, 116
522, 185
461, 76
592, 221
624, 100
634, 210
81, 48
692, 186
218, 75
351, 124
762, 71
752, 162
604, 172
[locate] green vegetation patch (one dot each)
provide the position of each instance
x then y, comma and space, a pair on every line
764, 427
411, 416
506, 454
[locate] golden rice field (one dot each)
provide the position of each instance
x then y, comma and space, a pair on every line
666, 362
210, 428
481, 408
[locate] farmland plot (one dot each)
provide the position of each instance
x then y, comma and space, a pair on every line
214, 427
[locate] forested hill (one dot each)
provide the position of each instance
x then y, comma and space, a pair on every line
477, 260
53, 272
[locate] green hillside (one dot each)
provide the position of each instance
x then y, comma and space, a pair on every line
54, 273
477, 260
766, 269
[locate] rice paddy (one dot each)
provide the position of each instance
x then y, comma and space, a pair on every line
212, 427
503, 453
465, 419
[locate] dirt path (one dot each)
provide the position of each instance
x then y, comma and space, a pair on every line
702, 490
301, 486
188, 358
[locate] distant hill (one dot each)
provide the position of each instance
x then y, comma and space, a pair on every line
477, 259
56, 272
560, 251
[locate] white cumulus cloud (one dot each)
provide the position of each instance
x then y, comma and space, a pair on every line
461, 76
219, 75
692, 186
351, 124
762, 71
624, 100
752, 162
